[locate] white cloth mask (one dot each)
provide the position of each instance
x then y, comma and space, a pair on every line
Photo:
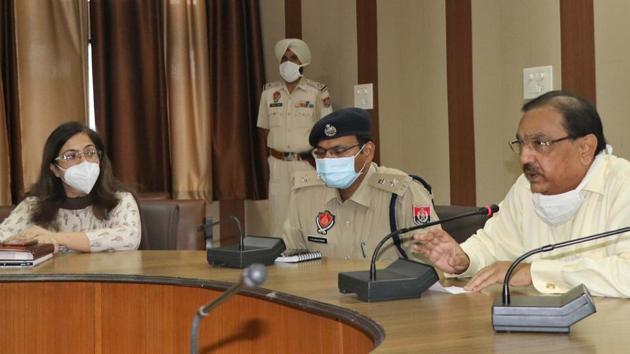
559, 208
290, 71
82, 176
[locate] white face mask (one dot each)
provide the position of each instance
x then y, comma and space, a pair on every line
82, 176
290, 71
559, 208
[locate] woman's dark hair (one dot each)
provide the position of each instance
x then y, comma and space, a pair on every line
580, 117
49, 189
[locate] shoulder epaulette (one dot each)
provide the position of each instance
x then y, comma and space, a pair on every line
272, 85
389, 182
303, 179
317, 85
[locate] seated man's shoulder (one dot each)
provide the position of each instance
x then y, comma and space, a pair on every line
390, 180
618, 166
307, 180
272, 85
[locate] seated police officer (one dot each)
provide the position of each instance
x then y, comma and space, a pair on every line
350, 203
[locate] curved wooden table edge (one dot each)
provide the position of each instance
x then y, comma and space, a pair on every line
350, 317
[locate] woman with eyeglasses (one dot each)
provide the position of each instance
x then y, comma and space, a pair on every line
77, 203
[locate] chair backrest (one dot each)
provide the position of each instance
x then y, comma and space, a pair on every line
460, 229
4, 212
172, 224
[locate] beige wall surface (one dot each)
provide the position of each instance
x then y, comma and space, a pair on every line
612, 73
508, 35
330, 29
272, 23
413, 121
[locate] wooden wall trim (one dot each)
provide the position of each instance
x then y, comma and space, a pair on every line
460, 102
367, 58
293, 18
577, 37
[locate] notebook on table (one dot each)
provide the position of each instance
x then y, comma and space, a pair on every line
28, 254
298, 255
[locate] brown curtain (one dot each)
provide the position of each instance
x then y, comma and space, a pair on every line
236, 73
44, 79
188, 81
130, 97
8, 103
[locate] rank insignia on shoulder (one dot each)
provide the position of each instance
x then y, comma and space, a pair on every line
421, 214
324, 221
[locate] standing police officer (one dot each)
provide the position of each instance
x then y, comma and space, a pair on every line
288, 110
350, 203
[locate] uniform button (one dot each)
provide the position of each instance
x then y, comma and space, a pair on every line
550, 286
348, 222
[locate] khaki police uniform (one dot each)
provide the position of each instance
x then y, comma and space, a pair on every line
319, 220
289, 118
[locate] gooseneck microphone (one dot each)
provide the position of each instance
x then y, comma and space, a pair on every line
234, 219
404, 278
545, 313
252, 276
487, 210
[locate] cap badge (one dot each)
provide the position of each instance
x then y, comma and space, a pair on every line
330, 130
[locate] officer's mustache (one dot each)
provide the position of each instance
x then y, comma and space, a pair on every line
528, 168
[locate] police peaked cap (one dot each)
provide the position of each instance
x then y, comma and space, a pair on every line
343, 122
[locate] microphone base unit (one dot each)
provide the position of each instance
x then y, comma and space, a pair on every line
403, 279
551, 314
256, 249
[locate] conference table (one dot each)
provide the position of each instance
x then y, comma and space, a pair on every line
144, 301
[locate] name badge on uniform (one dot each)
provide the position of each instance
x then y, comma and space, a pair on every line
317, 239
277, 104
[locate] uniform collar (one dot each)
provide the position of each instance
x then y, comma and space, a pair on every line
301, 85
362, 194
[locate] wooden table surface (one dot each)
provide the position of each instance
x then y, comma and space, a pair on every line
434, 323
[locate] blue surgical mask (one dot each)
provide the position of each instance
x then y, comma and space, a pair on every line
338, 172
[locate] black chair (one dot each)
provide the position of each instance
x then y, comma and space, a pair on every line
463, 228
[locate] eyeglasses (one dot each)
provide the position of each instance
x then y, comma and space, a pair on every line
74, 156
335, 151
540, 145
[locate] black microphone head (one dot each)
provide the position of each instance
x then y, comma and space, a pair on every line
254, 275
489, 209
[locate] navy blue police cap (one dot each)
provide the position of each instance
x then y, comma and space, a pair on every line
343, 122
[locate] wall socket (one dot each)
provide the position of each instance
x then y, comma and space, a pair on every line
536, 81
363, 96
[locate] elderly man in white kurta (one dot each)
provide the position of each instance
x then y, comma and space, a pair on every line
571, 187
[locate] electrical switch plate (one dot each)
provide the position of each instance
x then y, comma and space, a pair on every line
363, 97
537, 81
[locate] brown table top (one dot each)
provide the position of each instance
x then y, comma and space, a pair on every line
434, 323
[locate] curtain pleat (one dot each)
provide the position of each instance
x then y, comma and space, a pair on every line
188, 99
50, 75
236, 71
130, 96
6, 73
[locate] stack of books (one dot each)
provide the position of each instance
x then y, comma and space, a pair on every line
25, 255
